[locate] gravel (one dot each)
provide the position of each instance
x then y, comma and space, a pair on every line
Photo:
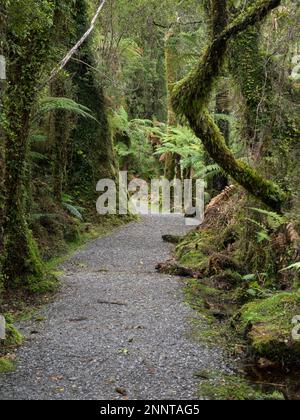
117, 329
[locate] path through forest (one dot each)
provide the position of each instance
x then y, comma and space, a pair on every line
117, 329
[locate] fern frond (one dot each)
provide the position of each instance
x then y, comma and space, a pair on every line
295, 266
49, 104
73, 210
275, 220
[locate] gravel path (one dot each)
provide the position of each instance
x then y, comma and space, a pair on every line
116, 327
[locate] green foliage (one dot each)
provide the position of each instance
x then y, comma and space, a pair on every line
181, 141
295, 266
49, 104
75, 211
133, 143
274, 220
6, 365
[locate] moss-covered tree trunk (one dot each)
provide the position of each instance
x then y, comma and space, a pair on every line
191, 97
218, 182
249, 69
2, 136
171, 160
217, 14
22, 263
60, 132
27, 52
93, 156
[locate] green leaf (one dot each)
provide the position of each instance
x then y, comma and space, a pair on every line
49, 104
252, 292
250, 277
75, 211
295, 266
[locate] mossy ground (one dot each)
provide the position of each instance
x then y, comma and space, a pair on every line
267, 325
228, 388
215, 386
6, 365
249, 315
13, 339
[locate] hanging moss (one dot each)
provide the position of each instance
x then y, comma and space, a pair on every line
191, 97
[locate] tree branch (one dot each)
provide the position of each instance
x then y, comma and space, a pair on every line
191, 97
73, 50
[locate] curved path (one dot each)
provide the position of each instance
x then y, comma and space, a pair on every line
117, 330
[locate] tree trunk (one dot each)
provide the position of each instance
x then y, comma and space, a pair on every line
22, 265
218, 15
93, 157
171, 160
2, 137
60, 132
248, 68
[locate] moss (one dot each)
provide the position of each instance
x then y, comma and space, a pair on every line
267, 325
225, 388
247, 65
6, 365
22, 262
13, 336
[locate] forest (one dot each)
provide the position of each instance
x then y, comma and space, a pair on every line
151, 307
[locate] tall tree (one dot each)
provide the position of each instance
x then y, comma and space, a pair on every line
94, 156
2, 151
28, 46
171, 77
61, 124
